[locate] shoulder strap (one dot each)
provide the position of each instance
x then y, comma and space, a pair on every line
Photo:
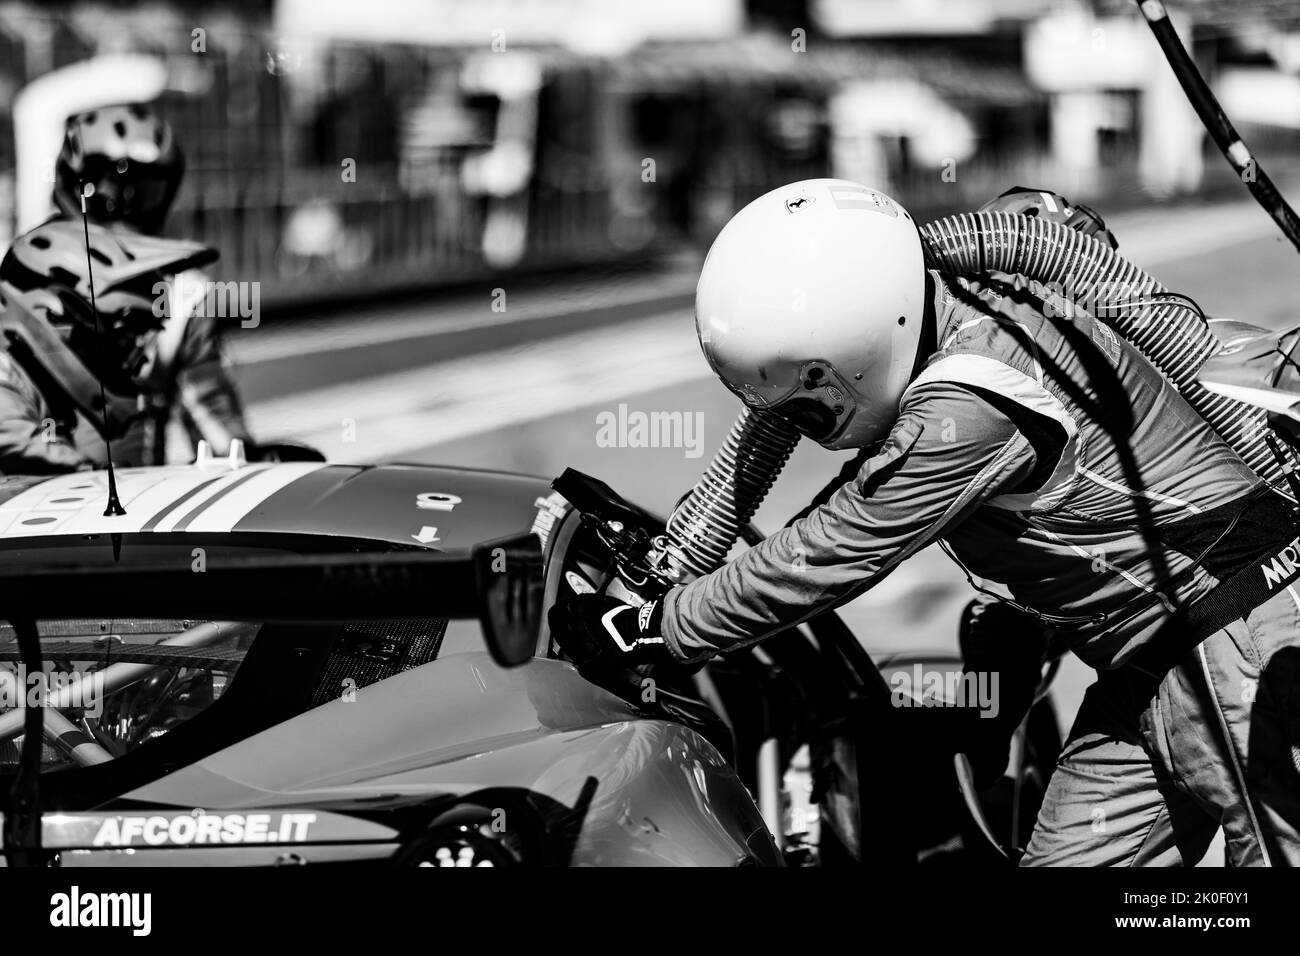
990, 374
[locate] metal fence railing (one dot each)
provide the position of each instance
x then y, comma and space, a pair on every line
267, 132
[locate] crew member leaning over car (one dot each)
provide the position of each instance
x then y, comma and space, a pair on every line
1051, 458
160, 348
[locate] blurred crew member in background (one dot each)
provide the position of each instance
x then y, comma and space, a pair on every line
159, 354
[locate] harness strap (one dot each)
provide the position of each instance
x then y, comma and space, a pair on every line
1273, 565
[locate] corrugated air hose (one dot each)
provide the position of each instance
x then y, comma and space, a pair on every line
1166, 328
708, 521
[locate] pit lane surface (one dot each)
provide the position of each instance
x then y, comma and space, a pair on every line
523, 383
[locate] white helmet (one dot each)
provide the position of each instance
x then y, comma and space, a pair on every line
810, 306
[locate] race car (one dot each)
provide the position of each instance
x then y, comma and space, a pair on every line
269, 664
301, 662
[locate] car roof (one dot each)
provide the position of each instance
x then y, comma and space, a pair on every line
416, 505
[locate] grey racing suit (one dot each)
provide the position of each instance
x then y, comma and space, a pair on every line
1063, 470
186, 376
37, 432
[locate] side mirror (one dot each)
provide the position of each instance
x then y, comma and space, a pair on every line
593, 497
510, 582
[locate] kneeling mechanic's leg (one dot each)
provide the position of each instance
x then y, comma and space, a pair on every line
1233, 725
1108, 803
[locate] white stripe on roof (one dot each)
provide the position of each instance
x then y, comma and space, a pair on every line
74, 503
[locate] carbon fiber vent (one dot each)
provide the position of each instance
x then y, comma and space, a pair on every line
371, 651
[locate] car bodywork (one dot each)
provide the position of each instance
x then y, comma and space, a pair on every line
455, 761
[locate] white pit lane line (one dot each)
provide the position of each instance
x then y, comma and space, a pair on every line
458, 314
415, 408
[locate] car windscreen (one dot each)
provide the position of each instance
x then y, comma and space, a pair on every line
132, 699
115, 687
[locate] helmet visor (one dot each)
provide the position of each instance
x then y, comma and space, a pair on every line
141, 193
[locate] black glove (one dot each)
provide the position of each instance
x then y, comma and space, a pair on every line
600, 630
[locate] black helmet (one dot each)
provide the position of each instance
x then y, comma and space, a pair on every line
130, 157
1043, 203
45, 271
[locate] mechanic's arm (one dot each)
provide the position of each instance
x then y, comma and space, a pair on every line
949, 451
208, 399
30, 441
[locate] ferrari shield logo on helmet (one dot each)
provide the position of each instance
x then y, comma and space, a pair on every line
802, 201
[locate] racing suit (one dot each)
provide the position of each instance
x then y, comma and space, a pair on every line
36, 431
184, 373
1056, 463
